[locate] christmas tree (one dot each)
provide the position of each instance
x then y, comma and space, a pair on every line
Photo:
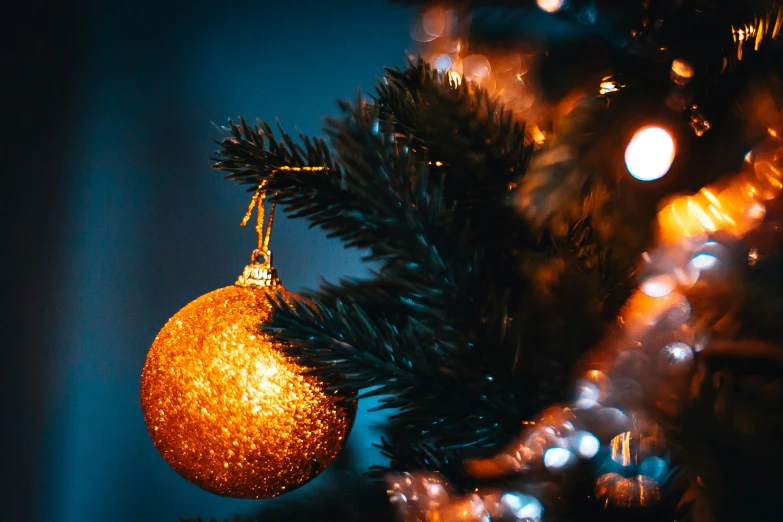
576, 311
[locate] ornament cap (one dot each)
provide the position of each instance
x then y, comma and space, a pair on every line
260, 272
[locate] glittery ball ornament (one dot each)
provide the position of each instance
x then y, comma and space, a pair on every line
225, 407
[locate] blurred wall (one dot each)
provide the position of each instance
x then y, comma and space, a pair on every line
115, 220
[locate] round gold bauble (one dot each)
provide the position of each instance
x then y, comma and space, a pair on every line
227, 410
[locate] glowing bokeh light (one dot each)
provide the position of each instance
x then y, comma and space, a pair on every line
753, 256
586, 444
620, 449
476, 67
704, 261
443, 62
524, 507
555, 458
658, 286
434, 489
650, 154
550, 6
653, 467
757, 211
682, 72
678, 352
417, 32
607, 86
627, 492
586, 396
434, 20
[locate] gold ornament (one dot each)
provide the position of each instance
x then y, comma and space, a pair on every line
225, 407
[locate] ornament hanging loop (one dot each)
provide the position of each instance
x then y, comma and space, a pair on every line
260, 272
261, 257
257, 202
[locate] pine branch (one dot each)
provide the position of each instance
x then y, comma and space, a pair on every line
464, 132
459, 125
380, 295
395, 209
381, 201
412, 378
384, 200
412, 455
462, 279
252, 154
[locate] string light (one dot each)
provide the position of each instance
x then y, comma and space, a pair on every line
678, 352
704, 261
586, 444
756, 31
681, 72
555, 458
523, 507
736, 209
658, 286
550, 6
607, 86
443, 62
650, 153
733, 207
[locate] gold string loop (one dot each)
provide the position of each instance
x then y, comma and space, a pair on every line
257, 202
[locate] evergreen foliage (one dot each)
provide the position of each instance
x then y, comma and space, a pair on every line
478, 310
475, 317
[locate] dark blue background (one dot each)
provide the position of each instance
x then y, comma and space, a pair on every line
115, 221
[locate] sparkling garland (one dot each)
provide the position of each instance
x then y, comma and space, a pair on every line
641, 374
637, 378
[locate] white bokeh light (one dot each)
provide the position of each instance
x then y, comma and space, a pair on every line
523, 507
678, 352
586, 444
650, 154
556, 457
586, 396
704, 261
443, 62
658, 286
550, 6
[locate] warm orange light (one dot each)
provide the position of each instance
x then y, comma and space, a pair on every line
658, 286
642, 311
768, 177
736, 210
621, 449
476, 67
607, 86
435, 20
650, 154
681, 72
536, 134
